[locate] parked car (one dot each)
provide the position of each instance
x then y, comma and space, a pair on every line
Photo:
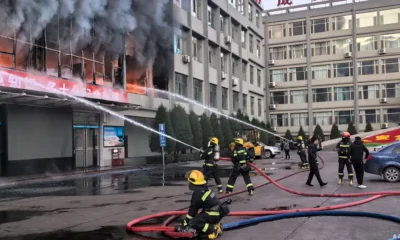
385, 163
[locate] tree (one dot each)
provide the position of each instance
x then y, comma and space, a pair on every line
206, 128
288, 135
301, 133
368, 127
319, 132
271, 138
226, 131
263, 135
196, 130
217, 129
162, 116
351, 128
335, 133
180, 123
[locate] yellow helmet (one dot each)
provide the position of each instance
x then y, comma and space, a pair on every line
196, 177
239, 141
300, 138
214, 140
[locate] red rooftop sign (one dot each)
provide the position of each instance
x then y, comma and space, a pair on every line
284, 2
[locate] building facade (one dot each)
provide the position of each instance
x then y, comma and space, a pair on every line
333, 62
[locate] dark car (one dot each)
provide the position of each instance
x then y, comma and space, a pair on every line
386, 163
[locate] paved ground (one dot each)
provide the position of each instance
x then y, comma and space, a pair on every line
98, 207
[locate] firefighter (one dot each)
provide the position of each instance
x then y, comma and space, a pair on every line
301, 150
211, 156
241, 157
343, 148
208, 221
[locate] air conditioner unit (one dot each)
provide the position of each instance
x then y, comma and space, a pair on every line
271, 62
348, 55
186, 59
274, 129
235, 82
382, 51
223, 75
228, 39
384, 125
272, 106
383, 100
272, 84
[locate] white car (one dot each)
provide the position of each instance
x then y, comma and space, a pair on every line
270, 151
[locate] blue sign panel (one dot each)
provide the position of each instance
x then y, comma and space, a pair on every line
161, 129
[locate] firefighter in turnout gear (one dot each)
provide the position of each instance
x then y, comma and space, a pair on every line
207, 223
241, 157
343, 148
301, 150
211, 156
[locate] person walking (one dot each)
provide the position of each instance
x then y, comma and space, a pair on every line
357, 150
286, 147
210, 157
312, 150
343, 148
282, 147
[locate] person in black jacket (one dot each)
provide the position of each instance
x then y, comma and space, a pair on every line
357, 150
211, 156
313, 148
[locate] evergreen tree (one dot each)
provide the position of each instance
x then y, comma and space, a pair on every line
288, 135
263, 135
196, 130
217, 129
368, 127
335, 133
206, 128
302, 133
180, 123
271, 138
351, 128
233, 125
319, 132
162, 116
226, 132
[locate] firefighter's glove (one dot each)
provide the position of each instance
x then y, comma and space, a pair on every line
251, 160
228, 202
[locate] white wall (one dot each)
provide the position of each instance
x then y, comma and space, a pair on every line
105, 152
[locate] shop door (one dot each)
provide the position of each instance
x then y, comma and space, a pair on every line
86, 147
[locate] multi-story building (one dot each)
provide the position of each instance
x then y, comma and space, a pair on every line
334, 61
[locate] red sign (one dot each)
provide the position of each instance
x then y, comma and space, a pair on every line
284, 2
384, 138
30, 81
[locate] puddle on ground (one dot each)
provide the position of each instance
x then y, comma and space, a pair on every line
279, 208
17, 215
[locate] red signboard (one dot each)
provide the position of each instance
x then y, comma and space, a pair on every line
284, 2
384, 138
25, 80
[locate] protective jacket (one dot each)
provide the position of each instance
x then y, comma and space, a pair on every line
240, 158
210, 155
203, 198
343, 148
300, 146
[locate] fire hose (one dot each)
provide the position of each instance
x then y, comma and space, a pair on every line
174, 214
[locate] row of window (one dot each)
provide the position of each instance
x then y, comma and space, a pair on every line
338, 46
389, 90
345, 69
335, 23
339, 117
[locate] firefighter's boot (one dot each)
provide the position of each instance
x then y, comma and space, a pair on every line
216, 232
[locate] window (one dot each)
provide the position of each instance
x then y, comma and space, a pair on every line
322, 118
279, 120
233, 3
259, 77
298, 51
257, 18
299, 119
341, 23
224, 61
343, 69
178, 41
250, 11
320, 25
278, 75
212, 53
211, 17
181, 84
251, 47
390, 65
224, 98
235, 101
198, 90
297, 28
321, 72
251, 105
322, 94
241, 6
244, 104
366, 19
244, 71
243, 38
196, 8
320, 48
277, 31
258, 48
235, 70
196, 49
297, 74
342, 46
298, 96
391, 41
259, 107
277, 53
344, 93
213, 95
391, 115
367, 43
251, 74
368, 92
344, 117
234, 32
279, 97
368, 67
391, 90
369, 116
390, 16
222, 26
